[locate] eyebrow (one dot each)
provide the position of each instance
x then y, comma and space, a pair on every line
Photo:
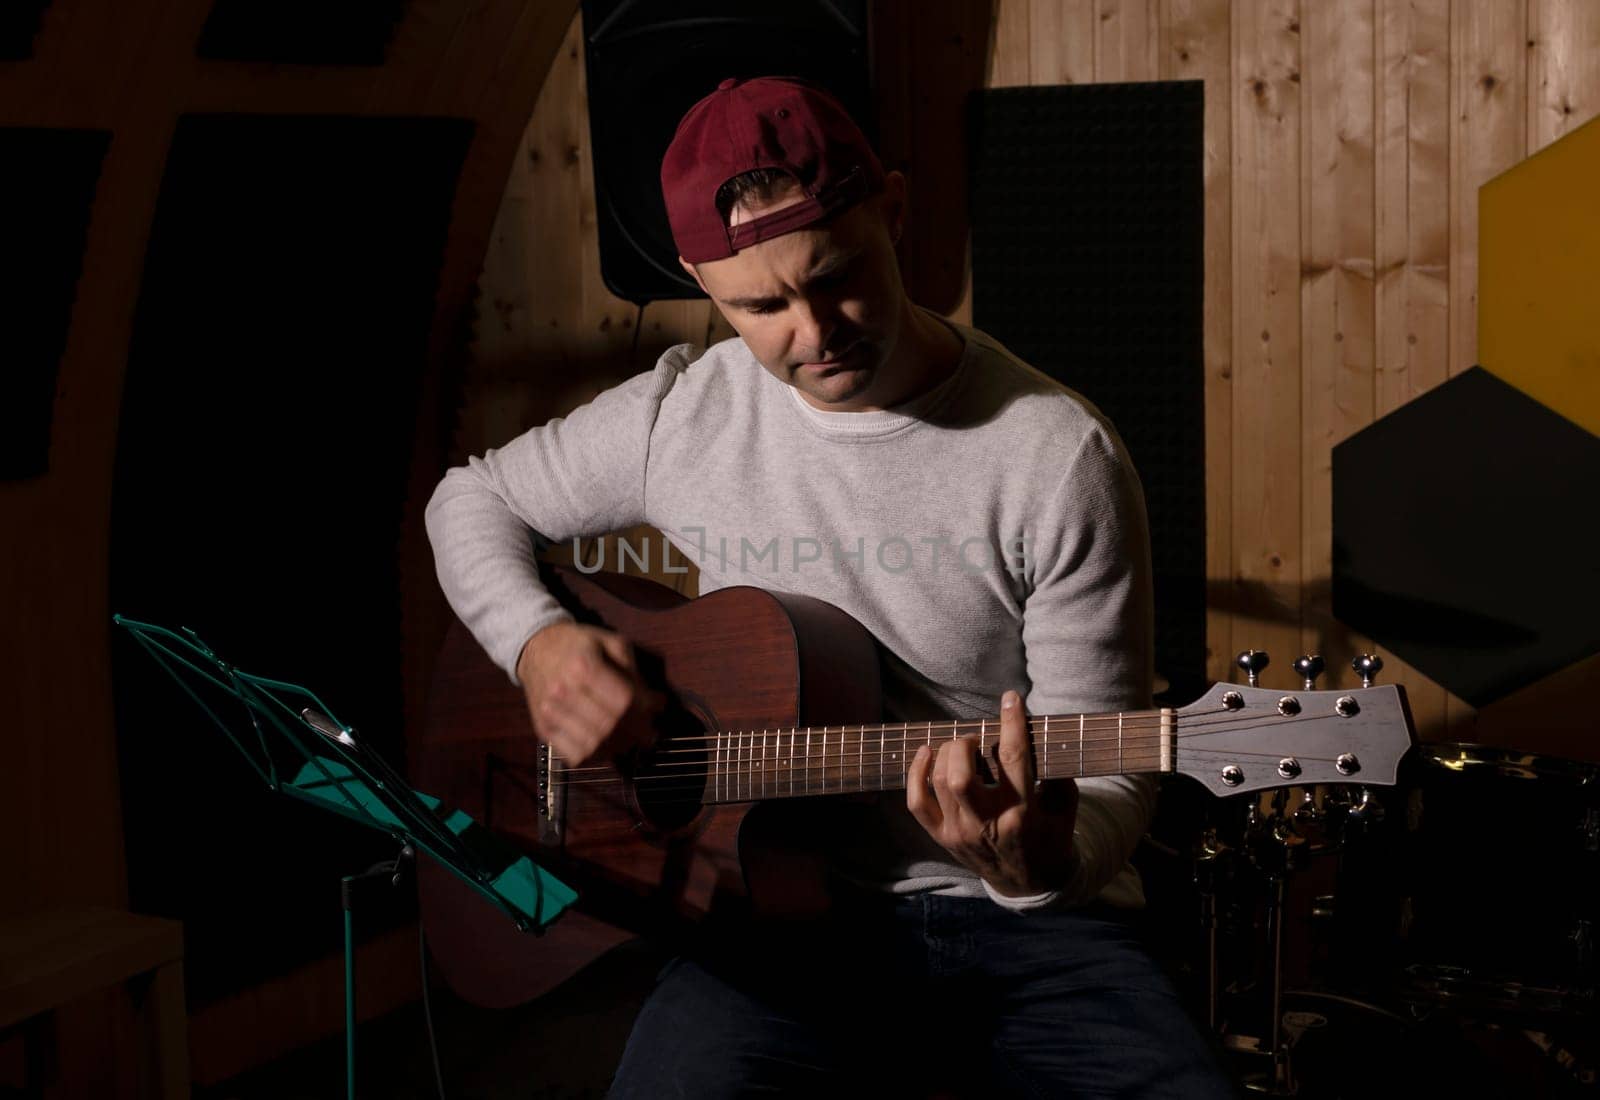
827, 267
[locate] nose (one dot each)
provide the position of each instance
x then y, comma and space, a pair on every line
815, 324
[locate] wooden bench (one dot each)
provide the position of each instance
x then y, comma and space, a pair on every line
52, 957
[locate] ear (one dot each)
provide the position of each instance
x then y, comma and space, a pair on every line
694, 274
893, 204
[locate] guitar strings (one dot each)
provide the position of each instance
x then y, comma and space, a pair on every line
1068, 725
728, 741
848, 766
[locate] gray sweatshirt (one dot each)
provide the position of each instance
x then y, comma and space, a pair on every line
990, 533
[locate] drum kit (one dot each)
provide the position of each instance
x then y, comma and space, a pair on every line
1438, 933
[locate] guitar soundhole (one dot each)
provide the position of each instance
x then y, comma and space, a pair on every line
669, 781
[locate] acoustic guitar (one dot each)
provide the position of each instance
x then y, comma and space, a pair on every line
767, 692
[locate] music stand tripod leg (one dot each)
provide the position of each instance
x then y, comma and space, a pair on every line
391, 873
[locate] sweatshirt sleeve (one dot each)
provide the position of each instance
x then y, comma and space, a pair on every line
575, 476
1088, 636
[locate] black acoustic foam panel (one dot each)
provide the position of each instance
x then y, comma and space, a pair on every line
304, 32
649, 63
46, 193
1087, 262
19, 24
1464, 535
270, 404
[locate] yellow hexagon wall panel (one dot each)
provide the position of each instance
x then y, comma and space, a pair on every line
1539, 276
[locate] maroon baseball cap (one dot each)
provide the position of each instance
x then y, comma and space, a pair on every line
766, 122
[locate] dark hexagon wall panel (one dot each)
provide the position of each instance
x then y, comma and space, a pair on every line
1465, 536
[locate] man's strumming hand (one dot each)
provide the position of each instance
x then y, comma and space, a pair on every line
584, 692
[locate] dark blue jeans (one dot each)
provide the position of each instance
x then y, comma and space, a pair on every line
921, 995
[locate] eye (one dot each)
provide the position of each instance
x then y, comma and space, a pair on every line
764, 308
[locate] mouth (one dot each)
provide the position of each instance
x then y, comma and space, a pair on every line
846, 358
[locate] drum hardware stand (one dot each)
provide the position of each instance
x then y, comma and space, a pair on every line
1205, 881
1281, 851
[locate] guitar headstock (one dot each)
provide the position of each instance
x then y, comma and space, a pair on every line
1239, 738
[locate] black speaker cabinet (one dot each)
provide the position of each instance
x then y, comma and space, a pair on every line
648, 63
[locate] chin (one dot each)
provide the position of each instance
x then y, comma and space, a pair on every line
840, 387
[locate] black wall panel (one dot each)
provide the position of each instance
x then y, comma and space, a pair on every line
269, 408
305, 32
1087, 262
46, 193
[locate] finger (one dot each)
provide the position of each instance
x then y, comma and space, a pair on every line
620, 650
574, 723
919, 799
964, 785
612, 688
621, 653
1016, 745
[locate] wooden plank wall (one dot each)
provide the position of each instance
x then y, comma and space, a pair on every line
1345, 142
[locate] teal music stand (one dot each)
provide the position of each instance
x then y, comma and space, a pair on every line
297, 747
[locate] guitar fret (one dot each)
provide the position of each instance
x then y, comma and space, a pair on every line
1119, 742
808, 760
1044, 768
880, 759
861, 759
1080, 746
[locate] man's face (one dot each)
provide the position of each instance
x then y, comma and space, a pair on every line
819, 307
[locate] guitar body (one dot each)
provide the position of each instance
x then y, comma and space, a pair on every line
774, 672
643, 851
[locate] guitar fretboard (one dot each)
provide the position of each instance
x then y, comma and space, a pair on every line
754, 765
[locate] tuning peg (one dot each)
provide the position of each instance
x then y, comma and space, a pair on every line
1309, 667
1253, 661
1367, 666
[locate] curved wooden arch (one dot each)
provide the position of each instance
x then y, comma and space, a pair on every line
129, 69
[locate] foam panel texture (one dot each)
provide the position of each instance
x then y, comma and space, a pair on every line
272, 392
1087, 262
46, 193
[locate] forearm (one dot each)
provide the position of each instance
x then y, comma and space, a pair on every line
484, 557
578, 475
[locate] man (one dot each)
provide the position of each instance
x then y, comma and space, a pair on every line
983, 522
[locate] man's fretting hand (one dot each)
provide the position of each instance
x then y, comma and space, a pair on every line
1015, 835
584, 692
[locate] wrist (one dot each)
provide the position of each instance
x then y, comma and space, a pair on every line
541, 636
1020, 903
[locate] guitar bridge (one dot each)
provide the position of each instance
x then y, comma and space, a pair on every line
547, 769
